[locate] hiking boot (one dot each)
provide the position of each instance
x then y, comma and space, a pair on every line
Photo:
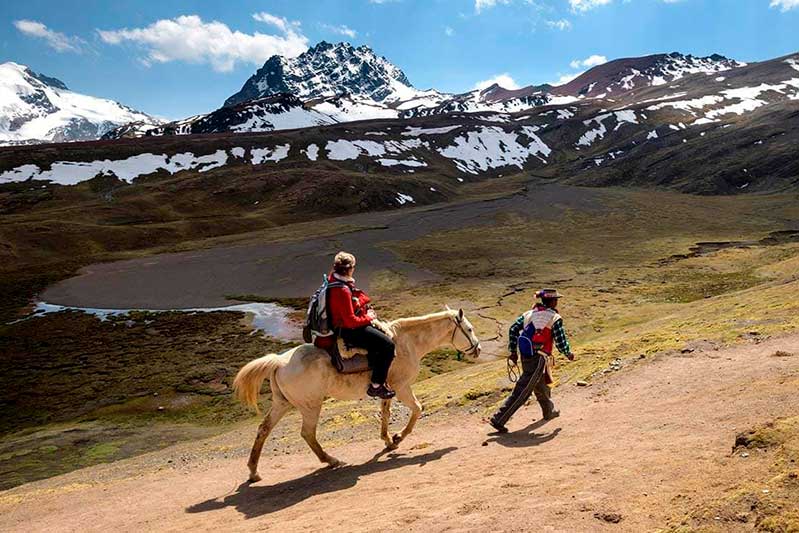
497, 426
381, 391
548, 409
554, 413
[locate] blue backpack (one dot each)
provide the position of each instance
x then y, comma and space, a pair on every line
532, 339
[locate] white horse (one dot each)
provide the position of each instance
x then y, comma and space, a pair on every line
304, 376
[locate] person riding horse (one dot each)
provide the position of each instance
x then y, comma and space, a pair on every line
351, 317
539, 328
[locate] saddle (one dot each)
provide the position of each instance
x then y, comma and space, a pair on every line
352, 359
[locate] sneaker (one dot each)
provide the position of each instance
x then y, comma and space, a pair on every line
380, 391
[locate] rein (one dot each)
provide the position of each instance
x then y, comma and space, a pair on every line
513, 371
459, 326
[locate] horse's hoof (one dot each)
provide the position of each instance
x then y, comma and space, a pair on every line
255, 478
396, 439
335, 463
392, 445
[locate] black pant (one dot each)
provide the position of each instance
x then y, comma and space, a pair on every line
379, 346
531, 381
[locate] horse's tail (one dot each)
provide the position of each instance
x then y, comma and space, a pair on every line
248, 381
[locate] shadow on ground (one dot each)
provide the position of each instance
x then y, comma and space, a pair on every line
524, 437
253, 501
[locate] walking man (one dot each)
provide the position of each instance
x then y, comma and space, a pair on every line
533, 334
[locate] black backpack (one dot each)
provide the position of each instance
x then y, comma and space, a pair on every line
317, 321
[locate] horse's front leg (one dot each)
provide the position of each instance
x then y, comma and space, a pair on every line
406, 396
385, 413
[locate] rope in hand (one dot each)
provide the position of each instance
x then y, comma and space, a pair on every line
513, 371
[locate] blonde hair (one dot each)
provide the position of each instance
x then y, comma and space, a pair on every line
343, 262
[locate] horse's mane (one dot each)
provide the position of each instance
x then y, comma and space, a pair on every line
420, 320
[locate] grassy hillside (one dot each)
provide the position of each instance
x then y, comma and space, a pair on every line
638, 285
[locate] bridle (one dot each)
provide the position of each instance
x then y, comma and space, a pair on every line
459, 326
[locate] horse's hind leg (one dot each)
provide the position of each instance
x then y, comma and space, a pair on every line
406, 396
279, 407
385, 412
310, 419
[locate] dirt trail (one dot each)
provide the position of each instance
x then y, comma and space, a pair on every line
649, 443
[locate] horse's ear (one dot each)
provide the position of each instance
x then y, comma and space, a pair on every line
460, 314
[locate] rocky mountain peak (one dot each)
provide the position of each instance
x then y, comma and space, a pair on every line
325, 70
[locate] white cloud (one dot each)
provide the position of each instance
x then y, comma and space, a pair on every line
785, 5
55, 40
479, 5
278, 22
590, 61
561, 24
581, 6
448, 31
503, 80
188, 38
344, 30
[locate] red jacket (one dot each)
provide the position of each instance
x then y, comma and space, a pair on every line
347, 306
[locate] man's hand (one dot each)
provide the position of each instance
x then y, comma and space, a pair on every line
513, 356
371, 314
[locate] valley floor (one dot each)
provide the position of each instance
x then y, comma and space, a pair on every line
643, 449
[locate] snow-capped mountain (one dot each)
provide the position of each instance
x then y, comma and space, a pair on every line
732, 132
328, 70
334, 83
35, 108
492, 99
275, 112
623, 75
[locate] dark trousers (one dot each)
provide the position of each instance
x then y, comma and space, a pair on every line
379, 346
531, 381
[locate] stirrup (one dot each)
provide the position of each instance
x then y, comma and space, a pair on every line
381, 391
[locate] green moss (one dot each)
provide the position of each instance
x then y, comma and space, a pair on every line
474, 394
102, 451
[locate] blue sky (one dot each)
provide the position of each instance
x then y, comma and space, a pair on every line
177, 58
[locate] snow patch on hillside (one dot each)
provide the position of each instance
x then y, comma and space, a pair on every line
290, 119
312, 152
73, 172
349, 110
626, 116
342, 149
402, 199
262, 155
387, 162
415, 132
491, 147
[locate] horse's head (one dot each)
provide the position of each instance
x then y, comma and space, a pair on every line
463, 336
